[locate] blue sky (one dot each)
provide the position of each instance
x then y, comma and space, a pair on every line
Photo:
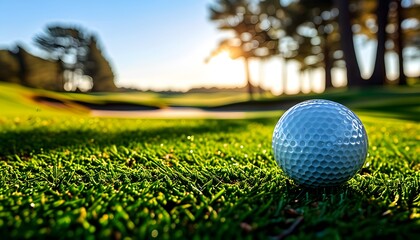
158, 44
152, 44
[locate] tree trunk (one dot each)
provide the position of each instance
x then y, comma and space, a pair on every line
354, 78
284, 75
248, 78
261, 76
22, 66
60, 75
379, 72
311, 77
400, 45
301, 81
327, 65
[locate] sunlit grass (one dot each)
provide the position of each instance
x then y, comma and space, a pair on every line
398, 102
79, 177
17, 101
66, 175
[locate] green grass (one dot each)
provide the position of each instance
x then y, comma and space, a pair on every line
11, 92
16, 100
84, 177
72, 176
395, 102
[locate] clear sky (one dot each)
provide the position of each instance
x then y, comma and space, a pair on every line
159, 44
156, 44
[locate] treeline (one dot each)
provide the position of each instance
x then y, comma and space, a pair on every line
319, 34
73, 61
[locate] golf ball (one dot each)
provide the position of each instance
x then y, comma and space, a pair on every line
320, 143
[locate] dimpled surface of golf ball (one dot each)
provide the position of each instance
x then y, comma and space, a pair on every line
320, 143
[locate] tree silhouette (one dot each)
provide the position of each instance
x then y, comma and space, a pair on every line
320, 33
77, 52
314, 29
387, 28
396, 13
98, 68
68, 45
31, 70
411, 32
379, 72
408, 37
354, 77
10, 67
274, 12
22, 73
252, 38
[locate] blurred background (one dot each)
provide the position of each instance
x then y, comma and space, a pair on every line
261, 48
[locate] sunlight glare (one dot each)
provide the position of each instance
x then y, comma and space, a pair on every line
226, 72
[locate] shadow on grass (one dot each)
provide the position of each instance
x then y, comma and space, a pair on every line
45, 139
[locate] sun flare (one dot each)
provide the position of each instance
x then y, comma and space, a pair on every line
225, 71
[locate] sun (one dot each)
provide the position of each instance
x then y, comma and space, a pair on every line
222, 56
225, 71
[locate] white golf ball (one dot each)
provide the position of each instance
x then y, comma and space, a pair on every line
320, 143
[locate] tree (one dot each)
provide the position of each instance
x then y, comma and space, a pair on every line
29, 70
379, 72
323, 39
310, 34
67, 45
399, 42
20, 56
252, 38
406, 36
71, 47
354, 77
320, 33
236, 52
412, 31
383, 21
99, 69
10, 67
274, 12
